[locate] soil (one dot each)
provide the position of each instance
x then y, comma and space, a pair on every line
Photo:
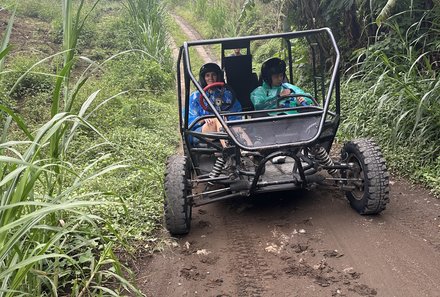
29, 34
302, 244
204, 52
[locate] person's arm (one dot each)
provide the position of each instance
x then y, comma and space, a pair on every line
261, 100
194, 107
297, 90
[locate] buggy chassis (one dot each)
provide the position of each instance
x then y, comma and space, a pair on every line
209, 172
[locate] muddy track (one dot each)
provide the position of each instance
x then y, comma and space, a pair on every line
303, 244
308, 243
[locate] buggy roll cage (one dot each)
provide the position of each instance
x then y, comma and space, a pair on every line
210, 171
243, 42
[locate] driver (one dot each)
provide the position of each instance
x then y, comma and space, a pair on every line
273, 75
211, 73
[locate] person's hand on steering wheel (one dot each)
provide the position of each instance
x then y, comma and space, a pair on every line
287, 94
224, 105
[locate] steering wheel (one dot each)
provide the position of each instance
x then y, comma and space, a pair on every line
295, 95
218, 101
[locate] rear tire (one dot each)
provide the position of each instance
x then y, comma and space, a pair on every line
178, 209
372, 191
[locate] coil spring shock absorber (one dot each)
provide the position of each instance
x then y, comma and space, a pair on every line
217, 168
324, 159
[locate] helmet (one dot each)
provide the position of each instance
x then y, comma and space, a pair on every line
270, 67
210, 67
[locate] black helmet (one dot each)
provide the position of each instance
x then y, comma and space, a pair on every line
270, 67
210, 67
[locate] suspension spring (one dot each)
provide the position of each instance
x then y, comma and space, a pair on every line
217, 168
324, 159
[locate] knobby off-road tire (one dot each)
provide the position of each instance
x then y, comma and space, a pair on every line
178, 209
372, 193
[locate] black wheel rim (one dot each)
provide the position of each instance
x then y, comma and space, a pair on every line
358, 177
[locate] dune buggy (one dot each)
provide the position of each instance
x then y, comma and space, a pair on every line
209, 171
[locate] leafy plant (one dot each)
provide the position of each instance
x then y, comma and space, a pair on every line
148, 27
50, 242
400, 104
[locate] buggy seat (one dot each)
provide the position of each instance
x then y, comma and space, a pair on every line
239, 75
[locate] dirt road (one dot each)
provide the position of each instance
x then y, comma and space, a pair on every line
303, 244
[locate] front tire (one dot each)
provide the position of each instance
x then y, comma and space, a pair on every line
371, 193
178, 209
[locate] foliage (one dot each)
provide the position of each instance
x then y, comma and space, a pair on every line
149, 30
144, 140
47, 243
132, 70
216, 15
62, 184
398, 100
4, 50
263, 17
111, 35
34, 82
201, 7
44, 9
212, 18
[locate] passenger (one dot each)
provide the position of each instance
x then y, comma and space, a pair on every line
208, 74
273, 75
237, 52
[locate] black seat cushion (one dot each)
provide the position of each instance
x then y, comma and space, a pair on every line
240, 77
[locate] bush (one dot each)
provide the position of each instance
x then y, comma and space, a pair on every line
43, 9
142, 132
134, 71
32, 94
216, 16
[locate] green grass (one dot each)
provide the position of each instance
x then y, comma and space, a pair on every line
44, 9
393, 95
148, 28
179, 37
86, 177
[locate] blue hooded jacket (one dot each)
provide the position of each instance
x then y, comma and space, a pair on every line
196, 110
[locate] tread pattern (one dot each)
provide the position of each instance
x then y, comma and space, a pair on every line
376, 182
248, 263
176, 204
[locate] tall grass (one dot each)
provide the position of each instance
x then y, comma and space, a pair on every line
51, 243
399, 102
148, 19
4, 48
216, 18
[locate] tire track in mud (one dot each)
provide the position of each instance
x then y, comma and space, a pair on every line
248, 264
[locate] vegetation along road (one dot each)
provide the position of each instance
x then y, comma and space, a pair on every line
303, 244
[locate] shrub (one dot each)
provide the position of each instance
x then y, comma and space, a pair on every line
134, 71
149, 30
43, 9
35, 82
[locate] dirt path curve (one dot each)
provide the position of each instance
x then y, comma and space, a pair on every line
204, 52
303, 244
